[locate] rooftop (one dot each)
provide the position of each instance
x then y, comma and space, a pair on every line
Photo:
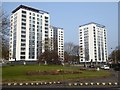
56, 27
29, 8
99, 25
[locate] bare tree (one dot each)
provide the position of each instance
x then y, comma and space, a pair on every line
71, 52
4, 34
76, 52
115, 55
68, 47
51, 57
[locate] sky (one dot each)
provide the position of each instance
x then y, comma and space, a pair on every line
70, 15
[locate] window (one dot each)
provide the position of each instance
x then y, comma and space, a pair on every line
37, 22
33, 17
46, 17
23, 32
23, 23
33, 53
24, 16
24, 12
37, 26
22, 53
46, 31
33, 41
24, 20
32, 57
33, 29
22, 48
46, 35
33, 22
11, 16
22, 44
33, 14
46, 21
38, 19
33, 37
33, 25
46, 24
23, 27
22, 57
23, 36
46, 28
23, 40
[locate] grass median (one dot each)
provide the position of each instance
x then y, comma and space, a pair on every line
17, 73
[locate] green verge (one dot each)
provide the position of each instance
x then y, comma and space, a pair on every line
17, 73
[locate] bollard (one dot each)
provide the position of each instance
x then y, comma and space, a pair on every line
15, 84
75, 84
20, 84
81, 84
116, 83
32, 83
9, 84
50, 82
26, 83
86, 83
58, 82
91, 83
70, 84
37, 83
45, 83
103, 83
54, 82
98, 83
109, 83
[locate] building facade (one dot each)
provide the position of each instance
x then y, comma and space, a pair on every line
57, 41
29, 33
93, 43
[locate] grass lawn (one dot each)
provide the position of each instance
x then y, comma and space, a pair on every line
18, 73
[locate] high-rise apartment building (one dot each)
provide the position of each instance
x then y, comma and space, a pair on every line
29, 33
57, 41
93, 43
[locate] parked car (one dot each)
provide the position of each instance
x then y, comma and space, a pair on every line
105, 67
